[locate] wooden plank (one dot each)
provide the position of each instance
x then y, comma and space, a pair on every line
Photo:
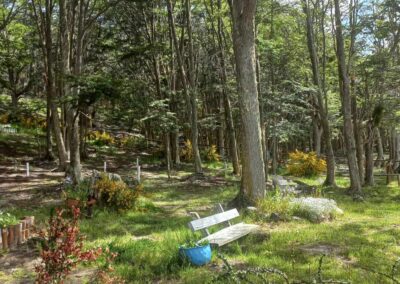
213, 220
196, 216
230, 234
220, 209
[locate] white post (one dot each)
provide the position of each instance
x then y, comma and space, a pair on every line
105, 166
137, 162
27, 169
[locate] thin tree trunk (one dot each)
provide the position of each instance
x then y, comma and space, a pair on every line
77, 145
396, 150
355, 182
168, 157
175, 148
369, 158
190, 99
322, 108
193, 93
317, 134
221, 119
49, 142
75, 164
359, 140
49, 64
227, 103
253, 173
274, 155
379, 145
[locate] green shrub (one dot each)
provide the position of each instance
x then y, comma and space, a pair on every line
133, 142
305, 164
7, 219
210, 154
101, 138
116, 194
79, 192
187, 151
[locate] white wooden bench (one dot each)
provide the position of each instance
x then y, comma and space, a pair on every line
226, 235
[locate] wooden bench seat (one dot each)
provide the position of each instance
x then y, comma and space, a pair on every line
226, 235
230, 234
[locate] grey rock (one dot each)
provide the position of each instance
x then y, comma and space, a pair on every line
316, 209
275, 217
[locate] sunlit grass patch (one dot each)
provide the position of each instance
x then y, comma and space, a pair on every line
147, 237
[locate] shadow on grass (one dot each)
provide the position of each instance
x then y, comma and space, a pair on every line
111, 224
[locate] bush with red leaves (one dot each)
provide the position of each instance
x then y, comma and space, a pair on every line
62, 249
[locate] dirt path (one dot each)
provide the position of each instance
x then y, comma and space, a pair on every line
42, 187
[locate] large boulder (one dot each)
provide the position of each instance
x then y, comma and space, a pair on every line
315, 209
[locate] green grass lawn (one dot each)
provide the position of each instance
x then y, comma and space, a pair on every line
364, 239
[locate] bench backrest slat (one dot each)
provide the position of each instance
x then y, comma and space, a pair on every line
213, 220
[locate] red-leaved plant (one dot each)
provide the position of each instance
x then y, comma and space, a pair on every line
62, 248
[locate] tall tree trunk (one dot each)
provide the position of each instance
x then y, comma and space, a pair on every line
175, 147
190, 99
317, 134
396, 150
355, 182
168, 156
322, 107
227, 103
253, 174
221, 119
49, 143
193, 93
77, 145
75, 163
359, 140
379, 146
49, 65
369, 158
274, 155
262, 116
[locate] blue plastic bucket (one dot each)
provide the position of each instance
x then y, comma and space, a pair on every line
197, 255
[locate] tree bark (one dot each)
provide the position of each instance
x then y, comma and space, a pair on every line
396, 150
220, 131
317, 135
322, 108
253, 174
190, 99
168, 157
355, 182
62, 154
226, 100
75, 163
379, 146
193, 93
359, 140
369, 158
49, 142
